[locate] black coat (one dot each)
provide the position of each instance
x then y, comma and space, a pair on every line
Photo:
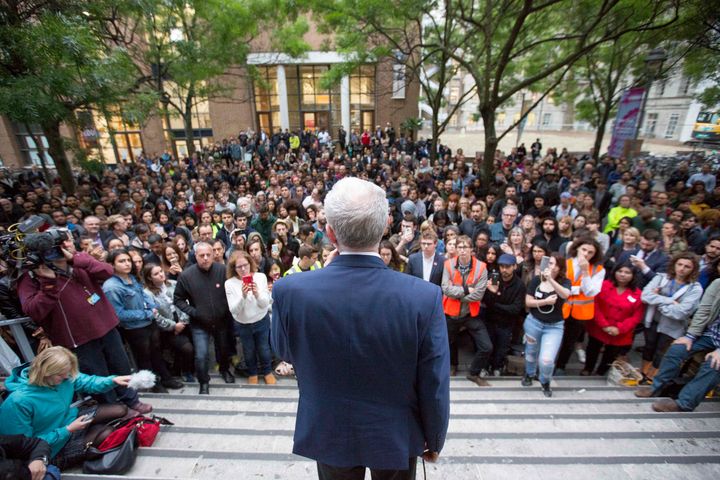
201, 295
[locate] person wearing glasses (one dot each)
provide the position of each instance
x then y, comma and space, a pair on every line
427, 263
463, 285
499, 231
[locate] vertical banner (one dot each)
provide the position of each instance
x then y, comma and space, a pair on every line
626, 120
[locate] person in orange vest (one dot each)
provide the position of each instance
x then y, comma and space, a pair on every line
586, 275
463, 286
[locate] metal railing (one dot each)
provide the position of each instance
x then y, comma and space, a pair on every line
18, 334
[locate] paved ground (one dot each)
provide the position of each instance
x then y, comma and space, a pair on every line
573, 141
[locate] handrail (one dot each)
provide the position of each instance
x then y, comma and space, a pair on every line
19, 335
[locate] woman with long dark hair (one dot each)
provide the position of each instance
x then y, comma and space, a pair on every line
136, 311
618, 310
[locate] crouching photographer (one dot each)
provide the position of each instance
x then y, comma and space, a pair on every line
62, 292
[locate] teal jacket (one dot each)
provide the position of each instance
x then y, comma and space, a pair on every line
44, 412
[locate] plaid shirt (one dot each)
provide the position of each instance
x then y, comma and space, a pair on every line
713, 331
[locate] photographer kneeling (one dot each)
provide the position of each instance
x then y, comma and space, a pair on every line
39, 405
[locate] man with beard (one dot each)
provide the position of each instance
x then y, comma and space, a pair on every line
550, 234
475, 223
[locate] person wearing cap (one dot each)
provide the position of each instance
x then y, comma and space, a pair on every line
505, 302
565, 207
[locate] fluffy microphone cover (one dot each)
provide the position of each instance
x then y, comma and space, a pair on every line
142, 379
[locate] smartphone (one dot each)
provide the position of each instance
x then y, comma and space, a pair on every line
544, 263
247, 279
88, 417
633, 258
495, 278
275, 249
85, 400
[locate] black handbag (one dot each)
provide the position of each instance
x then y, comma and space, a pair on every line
116, 461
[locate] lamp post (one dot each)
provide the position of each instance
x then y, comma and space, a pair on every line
653, 65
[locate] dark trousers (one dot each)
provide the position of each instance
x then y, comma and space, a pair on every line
593, 352
655, 345
106, 356
327, 472
478, 331
574, 329
201, 341
182, 348
500, 336
145, 346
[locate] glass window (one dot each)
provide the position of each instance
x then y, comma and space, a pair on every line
267, 100
29, 147
362, 98
313, 96
200, 118
672, 125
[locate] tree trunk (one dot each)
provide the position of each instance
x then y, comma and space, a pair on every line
600, 132
491, 143
56, 148
434, 140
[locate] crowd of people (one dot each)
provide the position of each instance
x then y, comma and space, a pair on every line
556, 255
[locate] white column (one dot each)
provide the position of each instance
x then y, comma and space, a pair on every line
283, 97
345, 105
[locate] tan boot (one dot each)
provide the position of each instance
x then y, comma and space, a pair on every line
270, 379
253, 380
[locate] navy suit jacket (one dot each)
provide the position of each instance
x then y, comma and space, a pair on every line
415, 267
657, 262
370, 351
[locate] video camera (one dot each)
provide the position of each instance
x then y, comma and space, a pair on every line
29, 244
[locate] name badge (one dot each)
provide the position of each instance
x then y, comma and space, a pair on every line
93, 299
538, 295
631, 299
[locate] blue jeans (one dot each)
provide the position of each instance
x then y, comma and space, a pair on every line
255, 338
201, 341
542, 341
706, 379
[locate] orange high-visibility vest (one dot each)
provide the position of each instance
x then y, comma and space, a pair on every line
451, 306
580, 306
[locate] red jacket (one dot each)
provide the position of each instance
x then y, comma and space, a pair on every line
623, 311
61, 306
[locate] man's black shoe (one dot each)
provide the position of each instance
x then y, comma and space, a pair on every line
204, 389
526, 381
227, 376
172, 384
546, 389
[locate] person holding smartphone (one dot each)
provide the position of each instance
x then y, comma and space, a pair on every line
544, 324
39, 405
249, 301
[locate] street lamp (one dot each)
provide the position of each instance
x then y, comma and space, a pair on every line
653, 65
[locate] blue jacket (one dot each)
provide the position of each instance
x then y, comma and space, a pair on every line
370, 350
132, 304
44, 412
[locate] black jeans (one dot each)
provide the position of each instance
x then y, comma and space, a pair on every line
593, 352
146, 348
479, 333
655, 345
501, 336
106, 356
327, 472
574, 329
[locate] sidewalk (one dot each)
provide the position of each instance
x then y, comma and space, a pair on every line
574, 141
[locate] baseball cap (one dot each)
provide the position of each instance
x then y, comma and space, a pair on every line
507, 259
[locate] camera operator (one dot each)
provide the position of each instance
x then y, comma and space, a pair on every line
63, 294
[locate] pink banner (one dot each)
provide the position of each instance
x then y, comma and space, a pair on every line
626, 120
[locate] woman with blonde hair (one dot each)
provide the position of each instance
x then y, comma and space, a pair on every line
39, 405
249, 301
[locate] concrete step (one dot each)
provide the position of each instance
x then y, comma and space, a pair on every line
504, 431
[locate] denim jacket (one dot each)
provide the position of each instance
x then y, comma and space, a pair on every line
133, 306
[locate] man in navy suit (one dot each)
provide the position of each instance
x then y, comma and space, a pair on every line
648, 259
427, 263
369, 347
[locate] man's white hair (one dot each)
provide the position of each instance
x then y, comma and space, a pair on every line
357, 212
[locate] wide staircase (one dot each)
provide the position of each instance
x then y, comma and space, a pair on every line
587, 430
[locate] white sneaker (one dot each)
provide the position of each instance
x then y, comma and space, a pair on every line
496, 373
581, 355
483, 373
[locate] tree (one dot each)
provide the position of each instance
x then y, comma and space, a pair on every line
407, 33
509, 46
190, 43
53, 61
